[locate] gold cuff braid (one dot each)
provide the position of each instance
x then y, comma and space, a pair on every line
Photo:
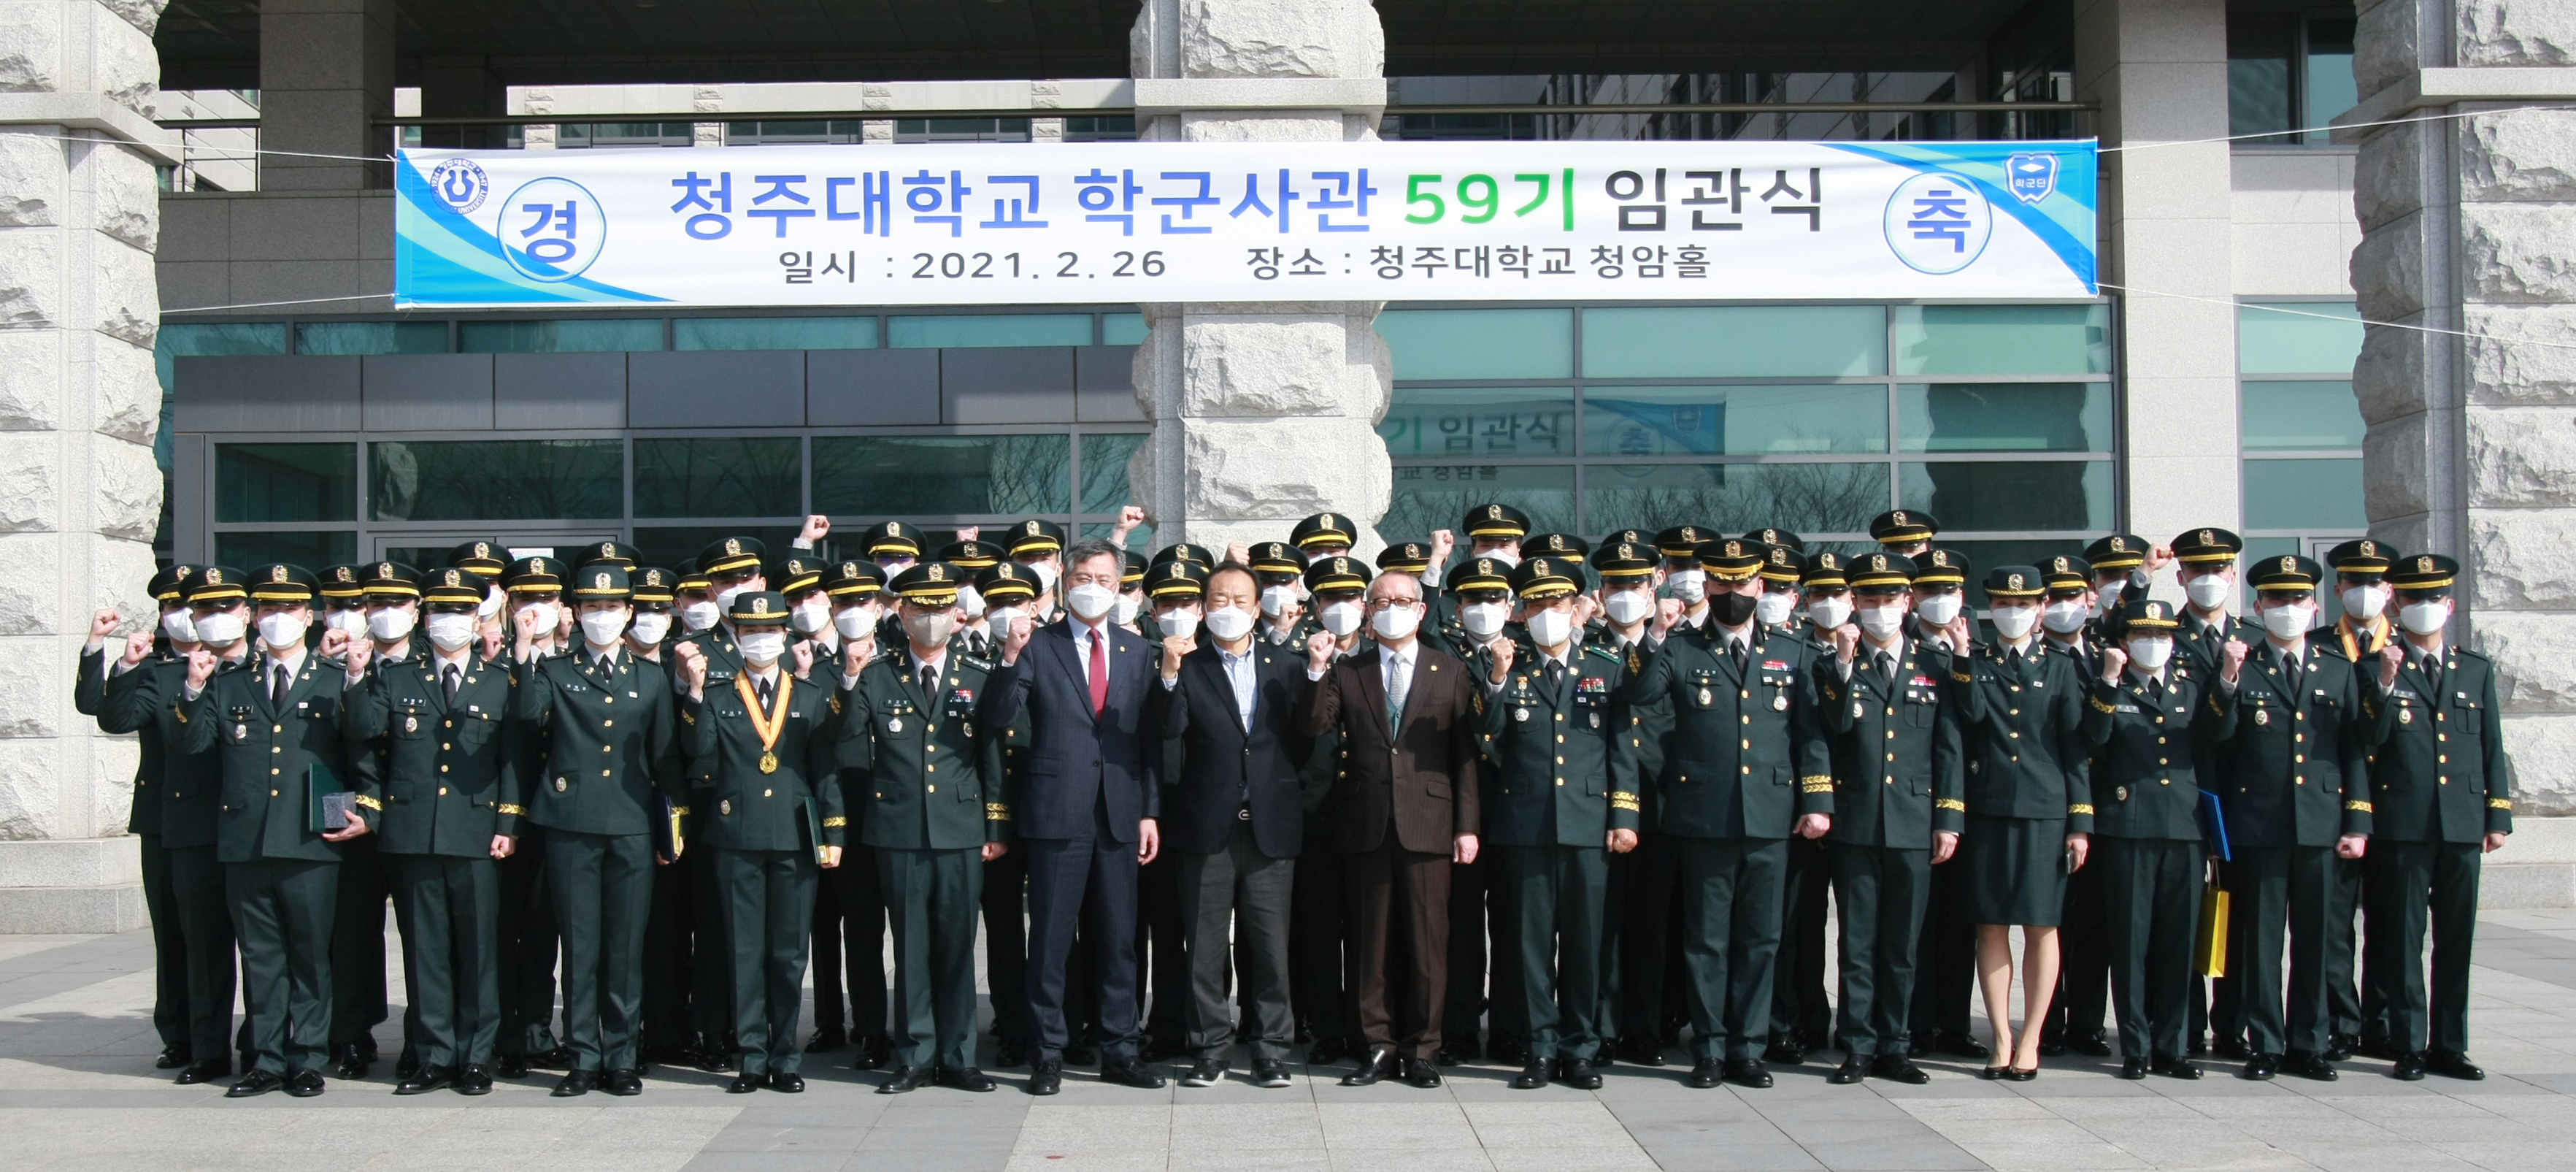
2080, 808
2357, 807
1950, 804
1816, 784
513, 811
368, 802
829, 823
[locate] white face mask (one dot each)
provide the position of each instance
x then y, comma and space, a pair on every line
1396, 622
1631, 606
2289, 622
1091, 600
1830, 611
2423, 618
1129, 606
1939, 610
280, 629
352, 621
389, 624
929, 630
811, 615
1484, 619
221, 628
855, 622
2207, 591
491, 607
450, 632
1342, 618
547, 616
893, 566
700, 615
763, 648
1506, 555
971, 601
2149, 653
1229, 623
1774, 609
179, 626
725, 597
997, 622
603, 627
1276, 599
2014, 622
1881, 622
1550, 628
1689, 585
1177, 624
2066, 617
650, 626
2365, 603
1045, 573
2109, 592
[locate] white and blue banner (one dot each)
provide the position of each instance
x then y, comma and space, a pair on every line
981, 223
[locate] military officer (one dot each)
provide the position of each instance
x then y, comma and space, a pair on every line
2113, 559
1038, 545
1801, 1018
1747, 767
1941, 599
2427, 839
1898, 807
342, 593
1495, 530
1646, 881
688, 997
1323, 535
1479, 612
527, 941
100, 663
388, 613
1683, 578
2071, 627
276, 717
893, 545
1945, 953
1285, 621
973, 557
1905, 531
596, 708
849, 908
1008, 589
2209, 580
2364, 627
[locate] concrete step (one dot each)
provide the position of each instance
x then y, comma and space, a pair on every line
2536, 868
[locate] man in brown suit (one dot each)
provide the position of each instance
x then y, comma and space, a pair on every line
1403, 808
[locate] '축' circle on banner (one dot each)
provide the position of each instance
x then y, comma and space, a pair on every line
1938, 223
551, 229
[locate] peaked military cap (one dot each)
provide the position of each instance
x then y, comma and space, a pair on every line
1032, 538
1681, 542
1495, 521
1131, 569
608, 551
2423, 571
1795, 543
1825, 571
692, 579
1177, 578
1323, 529
1782, 564
1339, 572
1555, 545
281, 582
2202, 547
1880, 570
216, 583
1006, 582
1547, 576
2119, 551
348, 581
2288, 571
1623, 560
392, 578
929, 583
1404, 557
2066, 571
1732, 559
1486, 573
891, 538
455, 586
731, 555
2150, 614
1276, 557
1631, 536
853, 578
479, 556
1182, 551
652, 583
2362, 557
796, 574
1903, 527
601, 580
758, 606
1941, 567
169, 582
971, 554
2015, 582
530, 574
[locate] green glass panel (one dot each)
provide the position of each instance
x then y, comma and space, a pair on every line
2280, 415
1123, 329
1629, 422
2307, 337
1104, 470
498, 480
1465, 422
2259, 548
2331, 88
1804, 498
990, 329
1479, 343
1735, 341
669, 545
312, 551
286, 482
1433, 497
2304, 494
371, 337
774, 333
2004, 417
2007, 495
2003, 339
2259, 46
727, 476
915, 476
193, 340
556, 337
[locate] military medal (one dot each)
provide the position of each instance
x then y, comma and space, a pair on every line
1596, 720
1857, 710
2405, 715
1779, 701
894, 724
411, 724
767, 724
768, 762
1520, 714
2262, 716
1706, 697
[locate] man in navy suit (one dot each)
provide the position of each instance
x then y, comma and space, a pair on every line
1087, 805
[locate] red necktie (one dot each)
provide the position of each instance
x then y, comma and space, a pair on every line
1099, 671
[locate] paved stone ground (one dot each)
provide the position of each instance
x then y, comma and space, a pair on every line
77, 1092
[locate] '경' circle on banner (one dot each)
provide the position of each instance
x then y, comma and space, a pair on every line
1938, 223
551, 229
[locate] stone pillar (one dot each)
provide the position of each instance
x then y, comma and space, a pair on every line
1263, 412
79, 493
326, 76
2159, 69
2472, 444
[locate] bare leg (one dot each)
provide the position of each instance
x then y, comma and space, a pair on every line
1994, 979
2038, 984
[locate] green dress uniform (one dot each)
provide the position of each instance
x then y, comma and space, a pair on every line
2216, 1003
1006, 879
91, 685
2021, 719
2356, 1012
1480, 907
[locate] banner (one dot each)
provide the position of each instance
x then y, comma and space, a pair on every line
1018, 224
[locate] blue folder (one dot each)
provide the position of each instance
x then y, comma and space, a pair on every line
2213, 826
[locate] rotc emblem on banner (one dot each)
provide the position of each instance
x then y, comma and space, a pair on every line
2030, 175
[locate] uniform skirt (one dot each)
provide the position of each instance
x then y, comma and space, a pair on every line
2016, 869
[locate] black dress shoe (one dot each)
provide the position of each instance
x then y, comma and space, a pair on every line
172, 1058
872, 1054
625, 1084
1419, 1072
348, 1062
2449, 1064
1010, 1052
304, 1084
964, 1078
2260, 1067
1158, 1050
1373, 1069
1641, 1051
2133, 1069
1509, 1052
827, 1040
2339, 1047
512, 1066
2312, 1066
2409, 1068
1326, 1052
211, 1070
716, 1058
1082, 1053
1269, 1072
786, 1082
1963, 1046
1919, 1046
1747, 1072
906, 1080
1855, 1067
575, 1083
1532, 1076
407, 1065
2021, 1073
2052, 1049
1129, 1072
2093, 1044
1579, 1074
2180, 1068
1206, 1072
2233, 1049
1707, 1073
473, 1080
256, 1082
1047, 1077
425, 1080
1899, 1068
1784, 1053
743, 1084
2000, 1073
1446, 1056
559, 1058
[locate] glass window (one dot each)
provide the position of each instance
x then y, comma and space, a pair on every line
2259, 48
669, 545
1479, 343
725, 476
561, 336
2304, 494
576, 135
1735, 341
2009, 495
2280, 415
2004, 417
1104, 470
1097, 128
1431, 497
371, 337
286, 482
474, 480
176, 340
1806, 498
774, 333
1123, 329
2329, 87
2309, 337
961, 130
309, 550
1986, 555
2003, 339
1460, 422
990, 329
1733, 421
981, 475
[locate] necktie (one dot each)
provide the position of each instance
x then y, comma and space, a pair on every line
449, 680
1555, 674
2433, 674
286, 680
607, 667
2295, 672
929, 680
1735, 651
1399, 684
1886, 666
768, 694
2012, 659
1099, 672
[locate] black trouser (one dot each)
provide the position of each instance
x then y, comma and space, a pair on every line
171, 1012
1161, 951
2084, 962
1316, 971
1945, 959
1006, 944
850, 910
2342, 932
2151, 888
931, 899
769, 916
1799, 1009
1089, 883
448, 909
1647, 912
282, 911
602, 889
1731, 904
526, 948
1559, 895
1245, 896
205, 917
2273, 890
2416, 885
1483, 988
360, 1000
1879, 895
688, 975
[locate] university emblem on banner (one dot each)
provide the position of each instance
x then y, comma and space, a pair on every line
2030, 175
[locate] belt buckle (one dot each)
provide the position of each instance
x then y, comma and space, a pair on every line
1243, 814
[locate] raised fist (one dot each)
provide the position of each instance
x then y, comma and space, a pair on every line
1503, 651
693, 666
1668, 611
862, 651
816, 527
527, 622
357, 655
1846, 642
1175, 649
1319, 651
201, 667
803, 654
1585, 607
103, 624
334, 642
1443, 543
1129, 517
2114, 661
2158, 558
2234, 660
2391, 657
1238, 553
137, 645
969, 532
1021, 628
